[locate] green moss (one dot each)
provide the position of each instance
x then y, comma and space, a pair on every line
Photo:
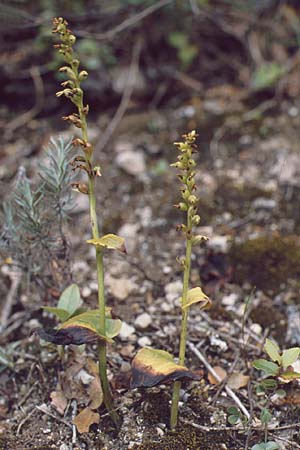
156, 407
187, 437
266, 262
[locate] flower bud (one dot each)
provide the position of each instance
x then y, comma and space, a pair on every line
83, 75
192, 199
72, 39
196, 219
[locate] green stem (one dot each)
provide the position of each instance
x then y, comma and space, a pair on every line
107, 397
183, 333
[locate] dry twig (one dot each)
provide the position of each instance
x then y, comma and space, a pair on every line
15, 277
216, 376
126, 24
28, 115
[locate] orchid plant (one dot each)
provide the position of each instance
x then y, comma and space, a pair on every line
150, 366
85, 326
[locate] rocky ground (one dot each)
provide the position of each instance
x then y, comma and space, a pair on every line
248, 183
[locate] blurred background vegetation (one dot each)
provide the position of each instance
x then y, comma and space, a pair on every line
188, 47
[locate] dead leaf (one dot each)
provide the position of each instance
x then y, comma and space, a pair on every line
219, 371
85, 419
237, 380
59, 400
151, 367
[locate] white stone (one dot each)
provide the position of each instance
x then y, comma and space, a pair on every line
120, 287
132, 161
256, 328
86, 292
143, 321
219, 243
126, 331
144, 341
173, 290
229, 300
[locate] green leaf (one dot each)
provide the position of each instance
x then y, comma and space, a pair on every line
270, 368
271, 445
5, 360
289, 356
261, 446
273, 350
267, 75
269, 383
233, 420
233, 410
110, 241
196, 295
280, 393
151, 367
178, 39
265, 416
62, 314
70, 299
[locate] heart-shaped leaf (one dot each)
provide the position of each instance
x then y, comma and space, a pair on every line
289, 356
68, 304
111, 241
151, 367
196, 295
273, 350
70, 299
270, 368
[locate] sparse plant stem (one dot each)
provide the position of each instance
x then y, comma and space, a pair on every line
183, 333
73, 91
188, 204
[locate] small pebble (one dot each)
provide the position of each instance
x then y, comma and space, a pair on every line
143, 321
126, 331
125, 367
144, 341
159, 431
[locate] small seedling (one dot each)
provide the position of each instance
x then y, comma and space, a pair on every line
235, 416
151, 367
277, 370
80, 327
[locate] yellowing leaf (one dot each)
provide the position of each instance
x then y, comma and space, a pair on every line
81, 329
196, 295
111, 241
90, 320
273, 350
85, 419
151, 367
